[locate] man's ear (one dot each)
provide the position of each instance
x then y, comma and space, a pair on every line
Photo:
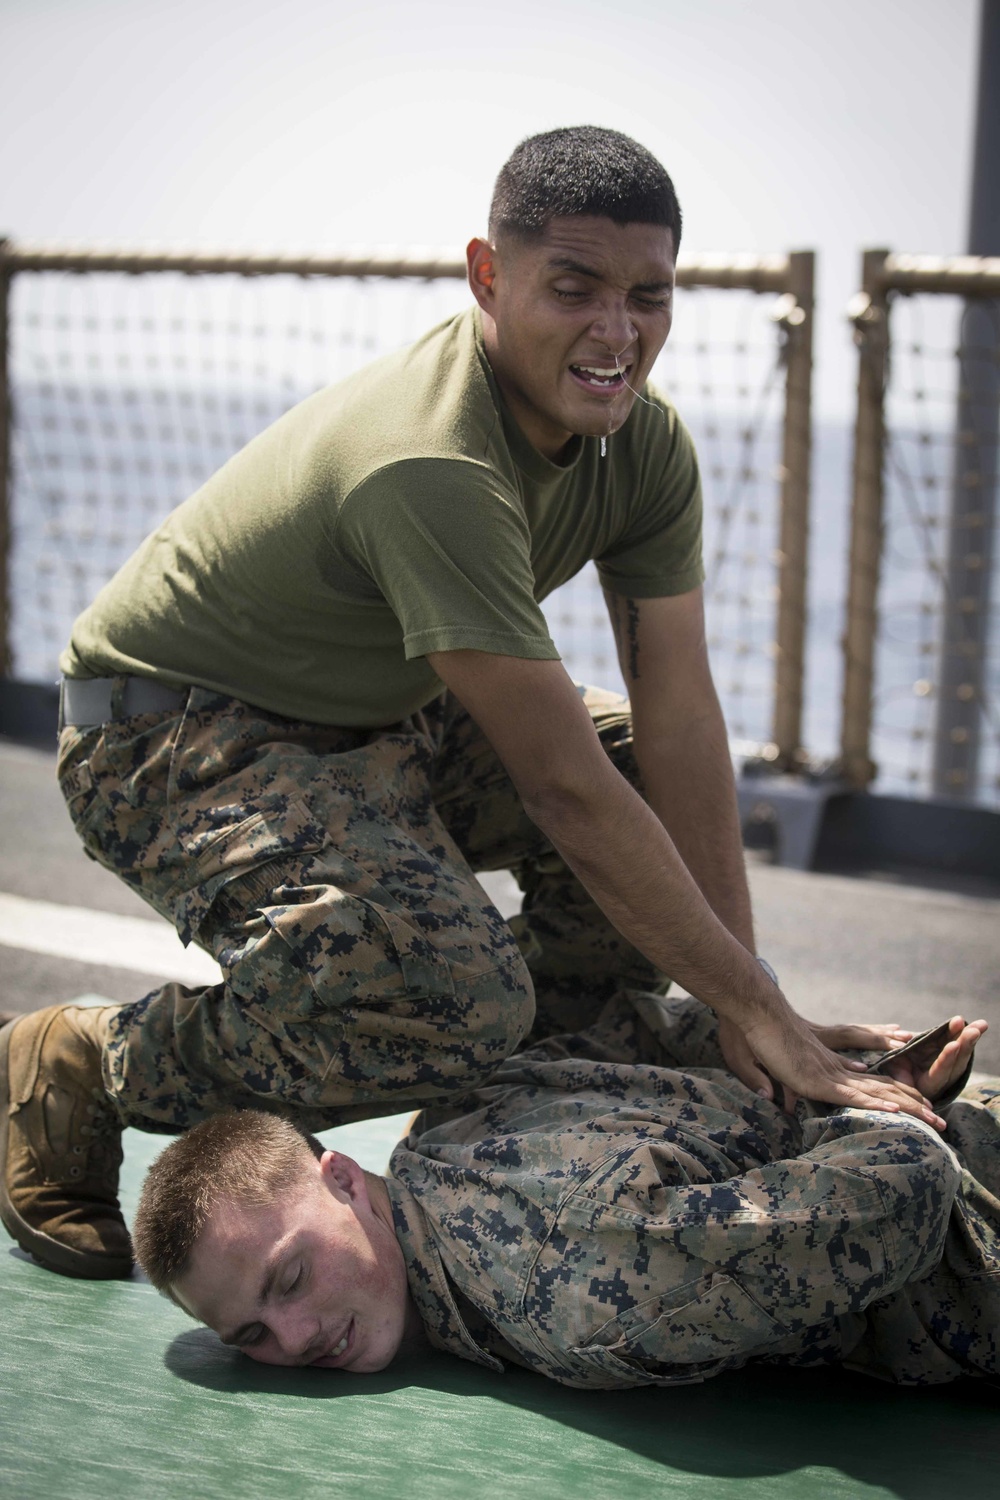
480, 258
341, 1174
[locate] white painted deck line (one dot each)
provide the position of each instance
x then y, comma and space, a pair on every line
101, 937
149, 946
145, 946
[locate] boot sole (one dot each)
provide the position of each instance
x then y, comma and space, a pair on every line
42, 1247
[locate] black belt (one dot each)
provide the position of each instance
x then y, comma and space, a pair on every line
85, 702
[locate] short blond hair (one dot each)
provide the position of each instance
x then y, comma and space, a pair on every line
240, 1156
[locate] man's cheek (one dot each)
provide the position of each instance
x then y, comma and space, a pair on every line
261, 1357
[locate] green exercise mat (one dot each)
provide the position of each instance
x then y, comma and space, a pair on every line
107, 1390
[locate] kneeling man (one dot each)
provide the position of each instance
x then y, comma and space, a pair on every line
605, 1222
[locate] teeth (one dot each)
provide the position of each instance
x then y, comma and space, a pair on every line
594, 370
340, 1347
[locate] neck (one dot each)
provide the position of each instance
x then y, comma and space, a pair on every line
549, 443
378, 1197
414, 1332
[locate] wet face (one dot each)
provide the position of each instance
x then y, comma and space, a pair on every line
572, 321
315, 1279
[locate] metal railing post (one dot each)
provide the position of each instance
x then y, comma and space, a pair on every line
5, 419
962, 669
964, 644
869, 313
796, 317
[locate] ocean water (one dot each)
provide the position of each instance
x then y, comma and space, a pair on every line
98, 461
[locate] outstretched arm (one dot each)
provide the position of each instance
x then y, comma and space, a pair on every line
681, 745
683, 753
619, 848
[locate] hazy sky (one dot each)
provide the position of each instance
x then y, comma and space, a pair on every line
307, 123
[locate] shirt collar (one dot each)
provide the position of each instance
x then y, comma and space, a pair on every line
429, 1285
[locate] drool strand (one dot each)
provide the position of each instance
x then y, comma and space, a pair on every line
637, 394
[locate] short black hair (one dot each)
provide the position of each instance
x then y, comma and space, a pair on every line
582, 169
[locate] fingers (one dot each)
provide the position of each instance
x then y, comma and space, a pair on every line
895, 1096
883, 1036
877, 1091
794, 1055
739, 1059
749, 1071
880, 1036
755, 1078
954, 1057
961, 1029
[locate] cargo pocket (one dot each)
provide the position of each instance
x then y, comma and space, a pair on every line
716, 1326
136, 752
276, 829
80, 795
358, 950
354, 1006
121, 836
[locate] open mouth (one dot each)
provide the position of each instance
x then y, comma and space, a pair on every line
340, 1350
601, 377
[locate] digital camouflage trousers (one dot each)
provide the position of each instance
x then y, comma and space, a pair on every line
330, 872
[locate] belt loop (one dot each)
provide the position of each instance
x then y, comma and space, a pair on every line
119, 685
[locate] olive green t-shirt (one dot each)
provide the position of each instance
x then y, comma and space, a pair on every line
398, 513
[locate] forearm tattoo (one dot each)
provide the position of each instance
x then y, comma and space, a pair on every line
625, 624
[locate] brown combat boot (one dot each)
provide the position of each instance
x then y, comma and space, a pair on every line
60, 1143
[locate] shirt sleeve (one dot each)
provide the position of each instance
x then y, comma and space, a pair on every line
451, 554
660, 552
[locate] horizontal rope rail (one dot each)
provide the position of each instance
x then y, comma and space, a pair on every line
18, 256
755, 273
748, 273
135, 383
961, 275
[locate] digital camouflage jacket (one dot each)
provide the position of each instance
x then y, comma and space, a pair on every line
615, 1224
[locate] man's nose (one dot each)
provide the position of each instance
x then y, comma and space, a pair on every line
298, 1334
614, 328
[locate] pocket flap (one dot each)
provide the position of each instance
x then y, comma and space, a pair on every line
717, 1328
285, 826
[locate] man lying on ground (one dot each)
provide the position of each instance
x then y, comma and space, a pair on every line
605, 1222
